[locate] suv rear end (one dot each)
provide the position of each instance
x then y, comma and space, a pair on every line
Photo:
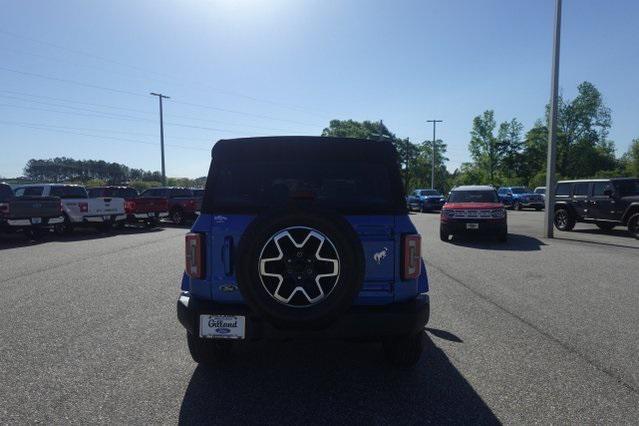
304, 237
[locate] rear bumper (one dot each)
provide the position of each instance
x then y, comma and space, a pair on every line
360, 322
88, 220
532, 204
31, 222
141, 217
485, 226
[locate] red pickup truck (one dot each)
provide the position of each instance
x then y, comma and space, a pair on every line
183, 204
138, 209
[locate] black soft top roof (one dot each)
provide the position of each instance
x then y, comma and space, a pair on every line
313, 147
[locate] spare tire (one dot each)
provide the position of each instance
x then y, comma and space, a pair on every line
299, 269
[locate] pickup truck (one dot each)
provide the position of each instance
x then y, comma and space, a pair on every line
78, 209
519, 197
147, 210
425, 200
183, 204
31, 215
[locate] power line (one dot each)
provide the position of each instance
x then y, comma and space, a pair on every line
131, 110
123, 118
136, 141
93, 86
77, 83
241, 113
179, 81
126, 132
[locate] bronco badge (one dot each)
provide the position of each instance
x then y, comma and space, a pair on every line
380, 255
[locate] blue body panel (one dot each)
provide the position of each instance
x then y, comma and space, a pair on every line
381, 241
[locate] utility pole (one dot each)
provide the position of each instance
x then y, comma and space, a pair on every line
381, 135
160, 97
432, 168
552, 134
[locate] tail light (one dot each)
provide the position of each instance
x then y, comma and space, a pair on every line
194, 255
412, 256
129, 206
84, 207
4, 208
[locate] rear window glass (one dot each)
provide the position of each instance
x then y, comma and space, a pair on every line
427, 192
68, 192
473, 197
336, 185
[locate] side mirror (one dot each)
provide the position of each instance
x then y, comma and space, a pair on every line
609, 192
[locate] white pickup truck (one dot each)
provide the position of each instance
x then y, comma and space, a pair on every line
78, 208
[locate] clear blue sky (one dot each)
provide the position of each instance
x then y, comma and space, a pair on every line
288, 67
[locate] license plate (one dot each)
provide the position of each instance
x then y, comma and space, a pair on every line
472, 226
222, 326
36, 220
151, 214
106, 217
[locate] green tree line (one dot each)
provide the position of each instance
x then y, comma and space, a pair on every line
503, 154
98, 172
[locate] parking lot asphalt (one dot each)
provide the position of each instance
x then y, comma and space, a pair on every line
534, 330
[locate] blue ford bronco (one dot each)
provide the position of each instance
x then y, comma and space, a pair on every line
303, 237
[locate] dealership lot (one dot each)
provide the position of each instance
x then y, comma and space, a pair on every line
532, 330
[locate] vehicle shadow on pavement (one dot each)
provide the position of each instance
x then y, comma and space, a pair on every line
330, 382
599, 243
16, 240
516, 242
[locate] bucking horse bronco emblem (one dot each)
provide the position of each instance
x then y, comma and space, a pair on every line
380, 255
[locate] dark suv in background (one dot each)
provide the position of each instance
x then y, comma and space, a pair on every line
604, 202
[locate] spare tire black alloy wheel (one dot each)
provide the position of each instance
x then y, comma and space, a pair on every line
299, 271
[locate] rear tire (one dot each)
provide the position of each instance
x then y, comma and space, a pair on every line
564, 220
177, 217
404, 351
64, 228
208, 351
35, 234
606, 226
538, 208
633, 225
517, 206
443, 233
105, 227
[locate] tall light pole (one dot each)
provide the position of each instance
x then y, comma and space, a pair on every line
160, 97
432, 171
552, 134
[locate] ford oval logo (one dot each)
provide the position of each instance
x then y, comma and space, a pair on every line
222, 330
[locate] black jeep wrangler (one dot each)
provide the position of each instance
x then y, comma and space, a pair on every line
604, 202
